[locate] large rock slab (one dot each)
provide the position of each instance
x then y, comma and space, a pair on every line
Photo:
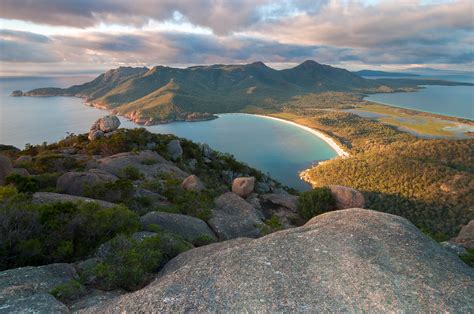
27, 281
190, 228
148, 163
76, 183
347, 197
49, 198
281, 199
353, 260
5, 168
36, 303
243, 186
233, 217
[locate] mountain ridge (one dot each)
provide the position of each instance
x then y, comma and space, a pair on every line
162, 94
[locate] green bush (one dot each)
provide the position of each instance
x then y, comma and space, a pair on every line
68, 291
129, 263
271, 225
468, 257
132, 173
108, 190
23, 184
315, 202
6, 192
61, 232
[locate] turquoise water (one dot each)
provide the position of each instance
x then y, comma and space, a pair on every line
280, 149
455, 101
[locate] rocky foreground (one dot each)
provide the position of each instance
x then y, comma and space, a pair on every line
125, 220
352, 260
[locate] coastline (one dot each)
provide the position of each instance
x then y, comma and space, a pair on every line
326, 138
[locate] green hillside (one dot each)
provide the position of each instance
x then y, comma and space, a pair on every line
164, 94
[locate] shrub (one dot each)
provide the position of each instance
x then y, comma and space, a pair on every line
315, 202
203, 240
6, 192
107, 190
68, 291
129, 263
23, 184
62, 232
271, 225
132, 173
468, 257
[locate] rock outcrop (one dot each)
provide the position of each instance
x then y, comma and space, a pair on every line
243, 186
347, 197
193, 183
148, 163
192, 229
76, 183
25, 290
49, 198
466, 235
5, 168
353, 260
281, 199
175, 150
233, 217
103, 126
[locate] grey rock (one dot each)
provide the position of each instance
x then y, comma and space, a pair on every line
86, 270
206, 151
5, 168
109, 134
253, 200
75, 183
148, 163
26, 281
243, 186
151, 145
94, 298
23, 159
190, 228
233, 217
192, 164
285, 200
193, 256
466, 235
36, 303
193, 183
352, 260
347, 197
104, 248
175, 150
262, 187
107, 124
49, 198
21, 171
454, 247
95, 135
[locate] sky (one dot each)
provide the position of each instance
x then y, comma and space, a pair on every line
89, 36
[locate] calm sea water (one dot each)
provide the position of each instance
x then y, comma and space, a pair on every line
276, 148
455, 101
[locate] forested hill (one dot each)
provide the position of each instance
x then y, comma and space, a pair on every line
162, 94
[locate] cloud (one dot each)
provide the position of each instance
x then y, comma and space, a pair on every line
283, 31
18, 46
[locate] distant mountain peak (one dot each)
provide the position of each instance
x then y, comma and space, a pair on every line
259, 64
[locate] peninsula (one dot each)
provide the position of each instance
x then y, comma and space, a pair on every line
164, 94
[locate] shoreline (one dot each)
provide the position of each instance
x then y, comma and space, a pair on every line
326, 138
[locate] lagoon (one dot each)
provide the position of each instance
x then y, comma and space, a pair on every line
277, 148
454, 101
